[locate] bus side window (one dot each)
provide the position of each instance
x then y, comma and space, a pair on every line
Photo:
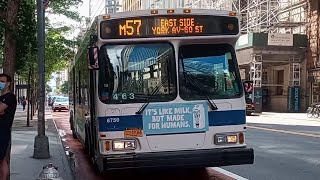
76, 82
79, 87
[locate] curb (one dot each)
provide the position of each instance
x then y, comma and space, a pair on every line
67, 164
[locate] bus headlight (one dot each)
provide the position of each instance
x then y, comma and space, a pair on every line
225, 139
122, 145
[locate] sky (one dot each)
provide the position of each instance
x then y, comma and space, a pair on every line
84, 8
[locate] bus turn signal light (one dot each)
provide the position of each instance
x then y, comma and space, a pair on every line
170, 11
107, 146
106, 17
187, 10
154, 11
241, 138
232, 13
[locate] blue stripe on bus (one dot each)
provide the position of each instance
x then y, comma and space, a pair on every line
216, 118
111, 123
225, 118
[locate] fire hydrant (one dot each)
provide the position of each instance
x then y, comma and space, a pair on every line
49, 172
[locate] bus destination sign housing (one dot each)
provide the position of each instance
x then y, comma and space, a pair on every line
168, 26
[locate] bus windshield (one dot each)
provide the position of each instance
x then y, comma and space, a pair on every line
211, 67
130, 73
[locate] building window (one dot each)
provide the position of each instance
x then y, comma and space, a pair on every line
264, 77
315, 92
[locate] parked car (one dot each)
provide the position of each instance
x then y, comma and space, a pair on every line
60, 103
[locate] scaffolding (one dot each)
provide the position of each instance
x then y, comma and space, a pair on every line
269, 16
256, 70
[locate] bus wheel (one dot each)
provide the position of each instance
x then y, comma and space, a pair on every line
87, 148
86, 144
98, 170
73, 130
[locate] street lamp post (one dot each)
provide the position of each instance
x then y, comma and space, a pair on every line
41, 142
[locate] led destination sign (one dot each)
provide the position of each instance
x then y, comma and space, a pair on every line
174, 25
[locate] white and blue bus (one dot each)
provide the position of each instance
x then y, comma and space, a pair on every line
160, 88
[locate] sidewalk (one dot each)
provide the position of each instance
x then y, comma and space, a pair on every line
23, 165
283, 119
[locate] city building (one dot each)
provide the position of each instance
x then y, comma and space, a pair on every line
98, 7
272, 53
61, 77
313, 54
113, 6
132, 5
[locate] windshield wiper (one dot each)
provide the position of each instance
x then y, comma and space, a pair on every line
148, 99
195, 83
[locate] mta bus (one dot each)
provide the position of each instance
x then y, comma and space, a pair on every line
160, 89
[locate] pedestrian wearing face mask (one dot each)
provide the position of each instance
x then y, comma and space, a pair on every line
8, 105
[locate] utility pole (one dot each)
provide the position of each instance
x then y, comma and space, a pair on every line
89, 11
41, 141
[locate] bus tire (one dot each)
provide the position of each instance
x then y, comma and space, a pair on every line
88, 150
98, 171
73, 130
86, 142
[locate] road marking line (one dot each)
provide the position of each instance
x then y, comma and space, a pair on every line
286, 132
230, 174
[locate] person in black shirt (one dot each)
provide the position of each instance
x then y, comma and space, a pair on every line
8, 105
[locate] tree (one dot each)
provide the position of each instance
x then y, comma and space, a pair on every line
17, 24
64, 89
20, 56
9, 18
58, 50
65, 8
48, 89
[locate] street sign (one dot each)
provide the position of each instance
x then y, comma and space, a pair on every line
294, 99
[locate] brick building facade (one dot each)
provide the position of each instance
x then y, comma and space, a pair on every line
313, 54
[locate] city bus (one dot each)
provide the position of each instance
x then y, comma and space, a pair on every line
160, 89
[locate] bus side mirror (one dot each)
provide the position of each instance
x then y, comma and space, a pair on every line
93, 57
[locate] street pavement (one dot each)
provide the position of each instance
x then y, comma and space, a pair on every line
23, 165
287, 147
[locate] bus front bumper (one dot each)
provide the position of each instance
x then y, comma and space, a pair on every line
189, 158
